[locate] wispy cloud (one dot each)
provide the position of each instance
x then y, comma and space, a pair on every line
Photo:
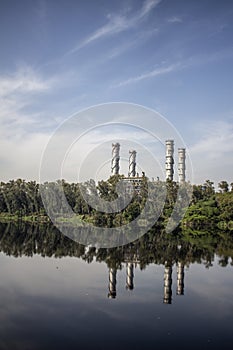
21, 142
185, 63
211, 155
147, 6
153, 73
175, 19
130, 44
117, 24
18, 91
23, 81
21, 157
217, 141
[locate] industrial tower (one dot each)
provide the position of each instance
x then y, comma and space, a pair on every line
132, 163
169, 159
115, 158
181, 164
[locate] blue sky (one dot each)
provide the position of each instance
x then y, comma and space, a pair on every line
59, 57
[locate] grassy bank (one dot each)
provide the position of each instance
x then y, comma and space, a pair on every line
6, 217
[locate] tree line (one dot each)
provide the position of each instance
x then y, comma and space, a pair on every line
19, 198
154, 247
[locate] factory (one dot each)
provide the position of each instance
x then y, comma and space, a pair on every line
136, 180
133, 176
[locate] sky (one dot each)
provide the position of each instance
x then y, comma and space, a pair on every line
61, 57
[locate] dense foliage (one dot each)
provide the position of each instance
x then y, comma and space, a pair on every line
154, 247
208, 209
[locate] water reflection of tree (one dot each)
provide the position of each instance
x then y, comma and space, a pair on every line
154, 247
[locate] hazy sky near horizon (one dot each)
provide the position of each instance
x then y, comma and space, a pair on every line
60, 57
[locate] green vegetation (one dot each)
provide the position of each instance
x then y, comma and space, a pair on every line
154, 247
208, 210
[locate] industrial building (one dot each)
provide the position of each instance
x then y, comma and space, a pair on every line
136, 180
169, 159
133, 176
115, 167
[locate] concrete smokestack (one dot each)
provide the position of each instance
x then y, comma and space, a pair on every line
112, 283
132, 163
169, 159
180, 279
181, 164
115, 158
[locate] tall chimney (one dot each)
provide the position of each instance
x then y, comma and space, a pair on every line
169, 159
132, 163
181, 164
115, 158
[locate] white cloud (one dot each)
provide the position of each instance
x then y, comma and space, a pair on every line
20, 158
21, 142
153, 73
175, 19
148, 5
117, 24
18, 92
23, 81
218, 139
185, 63
135, 42
212, 154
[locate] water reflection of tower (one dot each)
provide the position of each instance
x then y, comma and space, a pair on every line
112, 283
180, 279
129, 276
167, 298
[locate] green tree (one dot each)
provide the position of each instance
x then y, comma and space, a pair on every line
223, 186
208, 189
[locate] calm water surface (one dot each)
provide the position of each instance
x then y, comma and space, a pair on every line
54, 294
